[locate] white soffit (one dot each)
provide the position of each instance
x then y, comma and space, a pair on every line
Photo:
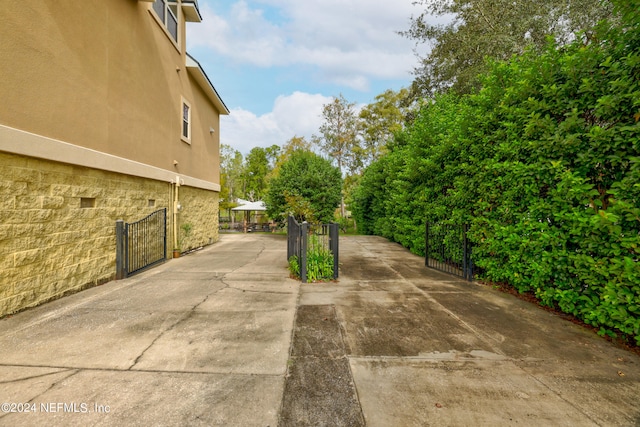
196, 71
191, 11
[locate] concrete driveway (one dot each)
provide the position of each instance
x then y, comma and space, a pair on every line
200, 340
426, 349
224, 337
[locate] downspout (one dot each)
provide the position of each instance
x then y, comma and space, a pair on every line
175, 213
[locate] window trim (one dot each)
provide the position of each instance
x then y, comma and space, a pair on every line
163, 20
188, 121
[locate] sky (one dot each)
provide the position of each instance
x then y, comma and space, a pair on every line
275, 63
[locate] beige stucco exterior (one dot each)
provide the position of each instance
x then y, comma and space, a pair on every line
91, 107
106, 76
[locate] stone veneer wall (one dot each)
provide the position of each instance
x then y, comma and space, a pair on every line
200, 209
50, 246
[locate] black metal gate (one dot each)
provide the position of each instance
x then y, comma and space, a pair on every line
448, 249
299, 244
141, 244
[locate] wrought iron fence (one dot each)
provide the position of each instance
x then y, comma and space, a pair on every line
448, 249
310, 242
141, 244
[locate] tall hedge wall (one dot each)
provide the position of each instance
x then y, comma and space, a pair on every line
544, 164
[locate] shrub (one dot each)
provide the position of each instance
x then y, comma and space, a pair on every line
543, 162
319, 262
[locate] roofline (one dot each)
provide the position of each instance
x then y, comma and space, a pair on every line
197, 17
201, 77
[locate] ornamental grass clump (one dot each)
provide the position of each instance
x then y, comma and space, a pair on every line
319, 262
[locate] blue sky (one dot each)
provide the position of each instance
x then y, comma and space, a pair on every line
275, 63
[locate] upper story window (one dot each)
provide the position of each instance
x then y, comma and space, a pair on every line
167, 11
186, 121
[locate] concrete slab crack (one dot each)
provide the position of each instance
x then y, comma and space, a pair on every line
71, 372
17, 380
256, 291
184, 318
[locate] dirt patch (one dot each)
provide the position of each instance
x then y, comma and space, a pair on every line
319, 388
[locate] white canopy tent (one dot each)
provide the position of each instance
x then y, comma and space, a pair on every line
248, 207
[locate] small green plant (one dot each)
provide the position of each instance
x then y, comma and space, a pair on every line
319, 262
319, 265
294, 266
186, 229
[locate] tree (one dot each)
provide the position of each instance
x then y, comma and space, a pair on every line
339, 138
339, 134
255, 173
379, 121
272, 153
543, 163
306, 185
230, 176
496, 29
296, 143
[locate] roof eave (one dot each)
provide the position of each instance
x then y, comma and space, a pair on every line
191, 11
197, 72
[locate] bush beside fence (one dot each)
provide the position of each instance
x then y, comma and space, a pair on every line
543, 163
312, 250
447, 249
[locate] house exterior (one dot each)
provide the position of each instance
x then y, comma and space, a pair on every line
103, 116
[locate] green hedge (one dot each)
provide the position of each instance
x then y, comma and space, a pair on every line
544, 164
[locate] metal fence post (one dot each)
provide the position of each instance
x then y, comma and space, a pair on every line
121, 271
164, 237
426, 244
304, 232
333, 247
465, 254
468, 264
290, 237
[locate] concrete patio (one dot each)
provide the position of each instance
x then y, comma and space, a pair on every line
224, 337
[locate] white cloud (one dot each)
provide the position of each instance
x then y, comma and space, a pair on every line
298, 114
349, 42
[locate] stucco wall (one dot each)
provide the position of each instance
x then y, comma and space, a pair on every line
103, 74
51, 246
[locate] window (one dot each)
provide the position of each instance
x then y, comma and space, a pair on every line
186, 121
167, 11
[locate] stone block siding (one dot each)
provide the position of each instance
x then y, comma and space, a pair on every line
50, 246
200, 209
